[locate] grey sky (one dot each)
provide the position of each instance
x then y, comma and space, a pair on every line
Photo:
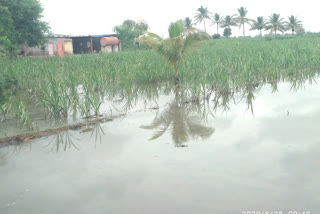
100, 16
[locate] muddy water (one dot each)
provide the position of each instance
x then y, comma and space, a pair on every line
180, 158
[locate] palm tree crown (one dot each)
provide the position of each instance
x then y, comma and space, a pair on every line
241, 18
188, 26
259, 24
275, 23
188, 23
202, 15
216, 19
293, 24
228, 21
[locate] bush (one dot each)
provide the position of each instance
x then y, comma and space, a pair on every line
227, 32
216, 36
8, 85
268, 38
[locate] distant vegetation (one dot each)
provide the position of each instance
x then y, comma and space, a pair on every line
273, 25
128, 31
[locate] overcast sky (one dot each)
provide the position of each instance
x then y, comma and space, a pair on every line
91, 17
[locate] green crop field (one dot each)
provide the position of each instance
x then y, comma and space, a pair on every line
81, 83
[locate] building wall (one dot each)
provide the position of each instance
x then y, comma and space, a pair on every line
68, 47
49, 49
110, 49
82, 44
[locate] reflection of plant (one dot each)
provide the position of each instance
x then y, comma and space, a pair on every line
248, 95
4, 110
62, 140
182, 124
97, 131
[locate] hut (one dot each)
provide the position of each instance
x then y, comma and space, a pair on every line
82, 44
57, 45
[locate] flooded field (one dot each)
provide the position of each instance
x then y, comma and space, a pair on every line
255, 150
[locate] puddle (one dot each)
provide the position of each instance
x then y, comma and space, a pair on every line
238, 154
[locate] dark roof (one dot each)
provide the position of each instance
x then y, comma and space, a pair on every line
104, 35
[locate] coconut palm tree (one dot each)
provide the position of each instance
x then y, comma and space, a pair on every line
293, 24
216, 19
188, 25
241, 18
202, 15
228, 21
275, 23
259, 24
173, 47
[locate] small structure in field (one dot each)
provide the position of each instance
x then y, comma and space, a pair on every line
88, 44
62, 45
57, 45
110, 44
82, 44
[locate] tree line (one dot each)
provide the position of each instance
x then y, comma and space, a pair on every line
273, 24
129, 30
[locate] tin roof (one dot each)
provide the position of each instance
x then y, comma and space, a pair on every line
104, 35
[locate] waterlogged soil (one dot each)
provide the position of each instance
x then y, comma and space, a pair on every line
175, 158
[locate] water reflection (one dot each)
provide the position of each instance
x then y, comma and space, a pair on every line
62, 141
180, 121
97, 132
185, 116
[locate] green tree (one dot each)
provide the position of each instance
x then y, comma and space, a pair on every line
26, 20
126, 35
293, 24
7, 31
227, 32
216, 20
275, 23
129, 31
188, 25
7, 28
173, 47
241, 18
259, 24
228, 21
141, 27
130, 23
201, 15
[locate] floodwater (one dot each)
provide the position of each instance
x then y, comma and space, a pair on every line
258, 154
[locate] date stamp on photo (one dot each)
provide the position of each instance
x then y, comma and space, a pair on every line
276, 212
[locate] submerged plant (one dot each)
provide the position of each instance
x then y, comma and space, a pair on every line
173, 47
4, 110
23, 117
